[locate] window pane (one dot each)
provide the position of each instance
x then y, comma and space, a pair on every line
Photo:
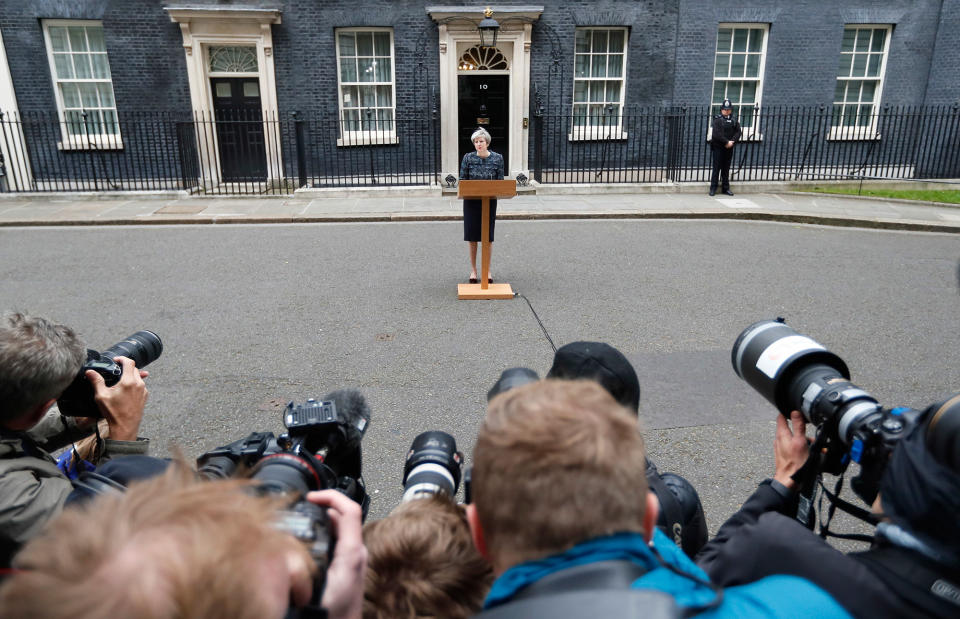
582, 41
347, 44
849, 36
582, 66
873, 68
223, 90
846, 60
724, 38
384, 96
251, 89
58, 38
381, 41
64, 66
368, 96
863, 40
740, 40
348, 70
879, 37
350, 120
95, 39
737, 65
364, 44
351, 96
849, 115
366, 68
840, 91
613, 92
101, 68
866, 112
756, 39
106, 95
599, 41
384, 70
718, 89
745, 116
74, 123
616, 41
81, 64
722, 66
579, 112
88, 95
596, 92
615, 65
859, 65
753, 65
579, 91
78, 40
749, 93
71, 95
599, 68
868, 91
110, 126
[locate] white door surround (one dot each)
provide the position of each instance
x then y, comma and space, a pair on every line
12, 144
457, 32
203, 27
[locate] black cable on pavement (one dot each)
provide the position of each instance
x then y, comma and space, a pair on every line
540, 322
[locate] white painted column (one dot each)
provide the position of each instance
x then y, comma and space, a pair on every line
19, 174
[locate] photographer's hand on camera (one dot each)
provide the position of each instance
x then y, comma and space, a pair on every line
122, 404
790, 448
343, 593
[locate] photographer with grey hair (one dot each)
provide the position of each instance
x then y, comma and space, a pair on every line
483, 165
39, 359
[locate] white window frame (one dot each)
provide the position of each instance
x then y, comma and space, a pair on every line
362, 138
600, 133
864, 132
68, 140
751, 133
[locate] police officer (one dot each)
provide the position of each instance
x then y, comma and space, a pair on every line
726, 132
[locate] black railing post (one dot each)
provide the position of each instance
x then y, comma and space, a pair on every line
4, 185
538, 141
673, 143
301, 149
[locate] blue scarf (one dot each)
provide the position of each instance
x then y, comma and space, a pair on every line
617, 547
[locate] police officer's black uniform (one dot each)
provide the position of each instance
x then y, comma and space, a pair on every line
724, 129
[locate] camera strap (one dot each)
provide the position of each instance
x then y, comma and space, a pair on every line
845, 506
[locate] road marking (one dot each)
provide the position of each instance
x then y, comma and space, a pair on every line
737, 202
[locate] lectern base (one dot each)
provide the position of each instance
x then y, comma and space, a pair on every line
492, 291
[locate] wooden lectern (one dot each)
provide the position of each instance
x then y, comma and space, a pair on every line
485, 191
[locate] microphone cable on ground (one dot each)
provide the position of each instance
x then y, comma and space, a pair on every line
539, 322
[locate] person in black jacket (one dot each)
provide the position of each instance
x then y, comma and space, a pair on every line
724, 135
913, 566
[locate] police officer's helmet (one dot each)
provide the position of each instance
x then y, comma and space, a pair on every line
726, 105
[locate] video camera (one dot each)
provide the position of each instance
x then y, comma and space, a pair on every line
320, 451
794, 372
143, 347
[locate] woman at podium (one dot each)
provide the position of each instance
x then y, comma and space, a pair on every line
483, 165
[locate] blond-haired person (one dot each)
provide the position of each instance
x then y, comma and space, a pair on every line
485, 165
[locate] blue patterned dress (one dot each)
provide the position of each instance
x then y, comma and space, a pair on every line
473, 167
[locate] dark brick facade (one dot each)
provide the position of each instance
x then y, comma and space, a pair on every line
670, 50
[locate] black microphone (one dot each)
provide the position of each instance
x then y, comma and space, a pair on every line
352, 408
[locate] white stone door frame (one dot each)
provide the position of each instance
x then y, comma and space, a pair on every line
456, 32
203, 27
19, 175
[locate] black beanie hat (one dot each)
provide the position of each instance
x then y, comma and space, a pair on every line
602, 363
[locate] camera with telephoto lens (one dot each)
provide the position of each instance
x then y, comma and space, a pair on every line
794, 372
433, 466
320, 451
143, 347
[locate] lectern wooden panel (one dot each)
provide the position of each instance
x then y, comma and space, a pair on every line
485, 191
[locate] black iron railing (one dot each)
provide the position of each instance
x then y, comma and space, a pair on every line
221, 153
236, 152
779, 144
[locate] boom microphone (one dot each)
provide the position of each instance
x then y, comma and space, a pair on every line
353, 410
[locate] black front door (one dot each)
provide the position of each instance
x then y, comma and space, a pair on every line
236, 108
484, 102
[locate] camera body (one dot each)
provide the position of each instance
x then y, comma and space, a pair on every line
143, 347
319, 451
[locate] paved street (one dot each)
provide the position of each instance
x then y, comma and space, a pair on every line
253, 316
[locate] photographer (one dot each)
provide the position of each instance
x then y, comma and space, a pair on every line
681, 512
175, 547
913, 566
562, 512
38, 361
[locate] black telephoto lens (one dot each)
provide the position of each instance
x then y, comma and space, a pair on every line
433, 466
943, 433
144, 347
